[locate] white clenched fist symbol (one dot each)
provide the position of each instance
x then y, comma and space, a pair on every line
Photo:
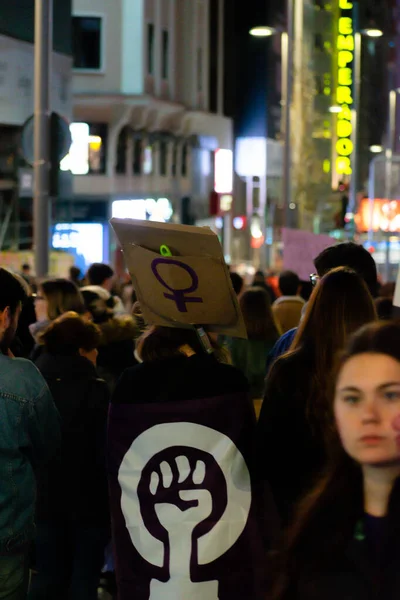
177, 522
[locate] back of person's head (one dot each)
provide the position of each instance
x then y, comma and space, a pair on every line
98, 273
100, 309
26, 268
161, 343
339, 305
257, 313
354, 257
62, 296
13, 292
68, 334
237, 282
259, 276
289, 283
75, 273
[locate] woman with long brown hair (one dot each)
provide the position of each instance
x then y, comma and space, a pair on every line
250, 355
345, 541
291, 449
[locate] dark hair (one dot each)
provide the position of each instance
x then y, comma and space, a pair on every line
327, 518
339, 305
26, 267
237, 282
258, 316
62, 296
384, 308
289, 283
12, 291
100, 309
160, 343
354, 257
70, 332
98, 273
75, 273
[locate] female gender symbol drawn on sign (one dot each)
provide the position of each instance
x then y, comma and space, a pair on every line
178, 296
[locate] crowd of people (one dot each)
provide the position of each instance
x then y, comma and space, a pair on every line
321, 366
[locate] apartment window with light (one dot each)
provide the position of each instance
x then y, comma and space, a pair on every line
165, 55
87, 41
150, 49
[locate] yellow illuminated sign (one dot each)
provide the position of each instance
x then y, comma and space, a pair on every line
344, 95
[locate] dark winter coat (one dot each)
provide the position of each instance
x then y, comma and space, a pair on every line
116, 352
357, 573
290, 451
190, 390
74, 486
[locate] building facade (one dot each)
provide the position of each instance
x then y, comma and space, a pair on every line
144, 87
16, 106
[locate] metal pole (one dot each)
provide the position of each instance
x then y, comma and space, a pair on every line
390, 148
41, 200
221, 57
287, 66
352, 207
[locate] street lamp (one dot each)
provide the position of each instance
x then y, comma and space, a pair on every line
372, 32
389, 152
287, 79
376, 149
262, 31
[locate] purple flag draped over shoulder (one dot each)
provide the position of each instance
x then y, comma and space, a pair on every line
185, 510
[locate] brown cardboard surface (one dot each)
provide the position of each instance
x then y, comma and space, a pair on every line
192, 287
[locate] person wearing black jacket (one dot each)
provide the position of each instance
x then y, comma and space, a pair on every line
291, 448
73, 522
345, 542
178, 382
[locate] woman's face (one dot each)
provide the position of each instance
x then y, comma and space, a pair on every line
367, 402
41, 306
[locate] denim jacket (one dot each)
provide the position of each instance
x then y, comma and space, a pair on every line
29, 435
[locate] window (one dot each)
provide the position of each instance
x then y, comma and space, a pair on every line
319, 42
88, 152
86, 35
174, 159
165, 54
122, 146
163, 158
137, 157
98, 148
184, 165
150, 49
199, 69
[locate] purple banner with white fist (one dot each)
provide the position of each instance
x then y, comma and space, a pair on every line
186, 510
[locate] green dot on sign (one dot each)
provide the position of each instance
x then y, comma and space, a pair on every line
165, 251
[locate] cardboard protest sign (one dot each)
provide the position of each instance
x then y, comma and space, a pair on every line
300, 248
187, 512
189, 284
